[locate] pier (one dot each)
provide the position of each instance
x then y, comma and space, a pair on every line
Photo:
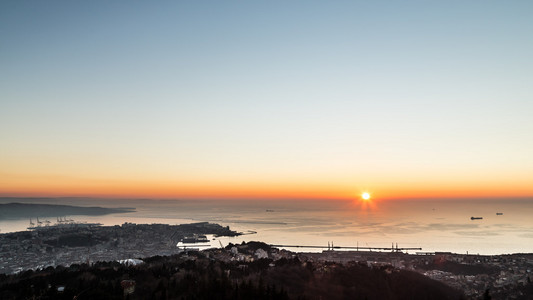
330, 247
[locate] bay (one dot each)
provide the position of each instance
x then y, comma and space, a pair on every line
442, 225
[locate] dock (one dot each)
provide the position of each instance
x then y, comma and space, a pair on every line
357, 248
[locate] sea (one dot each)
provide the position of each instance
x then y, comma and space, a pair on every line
443, 225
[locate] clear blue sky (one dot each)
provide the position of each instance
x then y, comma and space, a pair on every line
350, 95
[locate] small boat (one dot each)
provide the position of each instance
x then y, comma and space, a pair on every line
499, 214
476, 218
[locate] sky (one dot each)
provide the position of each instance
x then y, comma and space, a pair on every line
277, 99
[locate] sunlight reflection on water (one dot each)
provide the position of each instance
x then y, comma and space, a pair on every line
432, 225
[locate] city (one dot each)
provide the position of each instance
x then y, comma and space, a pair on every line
507, 276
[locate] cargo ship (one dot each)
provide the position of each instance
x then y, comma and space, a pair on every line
195, 238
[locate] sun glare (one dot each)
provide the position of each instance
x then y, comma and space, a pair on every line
365, 196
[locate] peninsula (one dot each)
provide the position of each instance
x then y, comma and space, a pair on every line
31, 210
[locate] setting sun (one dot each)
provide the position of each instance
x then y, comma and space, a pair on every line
365, 196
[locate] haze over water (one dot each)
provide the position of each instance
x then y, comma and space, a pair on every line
433, 225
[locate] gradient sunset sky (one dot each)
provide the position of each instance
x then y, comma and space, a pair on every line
273, 99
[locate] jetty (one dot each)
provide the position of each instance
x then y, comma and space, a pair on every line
331, 247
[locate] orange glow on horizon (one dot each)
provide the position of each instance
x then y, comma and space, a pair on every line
63, 186
60, 187
236, 192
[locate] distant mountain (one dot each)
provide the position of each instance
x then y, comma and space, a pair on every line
30, 210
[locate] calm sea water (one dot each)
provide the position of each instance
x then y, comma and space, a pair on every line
432, 225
